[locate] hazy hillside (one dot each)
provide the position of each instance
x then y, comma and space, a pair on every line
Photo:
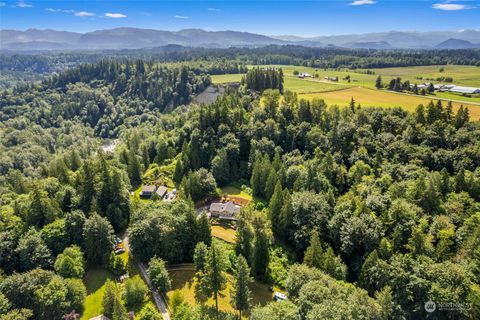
136, 38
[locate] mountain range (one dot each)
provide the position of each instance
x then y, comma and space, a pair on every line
135, 38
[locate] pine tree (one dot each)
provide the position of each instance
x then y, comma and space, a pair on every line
378, 83
270, 185
261, 257
108, 299
244, 237
179, 171
314, 253
286, 215
214, 280
134, 169
275, 207
240, 299
204, 232
86, 186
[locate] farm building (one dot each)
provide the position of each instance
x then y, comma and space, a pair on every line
304, 75
224, 210
468, 90
331, 78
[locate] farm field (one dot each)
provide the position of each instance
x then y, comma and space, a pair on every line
361, 87
371, 97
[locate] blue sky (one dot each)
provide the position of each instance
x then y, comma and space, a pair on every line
305, 18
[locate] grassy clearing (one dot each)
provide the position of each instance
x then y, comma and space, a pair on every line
94, 280
235, 190
226, 78
185, 281
370, 97
224, 232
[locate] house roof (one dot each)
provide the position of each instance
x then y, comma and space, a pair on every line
228, 207
465, 89
148, 188
161, 191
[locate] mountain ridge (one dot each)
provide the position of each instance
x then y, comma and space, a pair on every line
138, 38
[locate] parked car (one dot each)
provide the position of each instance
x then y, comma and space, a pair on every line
277, 296
119, 250
118, 240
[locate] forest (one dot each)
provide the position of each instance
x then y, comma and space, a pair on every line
357, 213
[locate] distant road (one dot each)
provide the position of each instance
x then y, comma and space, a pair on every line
157, 297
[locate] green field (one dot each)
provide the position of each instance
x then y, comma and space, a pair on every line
362, 86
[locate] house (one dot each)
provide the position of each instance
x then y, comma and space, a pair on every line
304, 75
224, 210
161, 191
277, 296
468, 90
331, 78
147, 191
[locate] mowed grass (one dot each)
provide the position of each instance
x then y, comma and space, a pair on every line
375, 98
235, 191
223, 232
184, 280
226, 78
95, 280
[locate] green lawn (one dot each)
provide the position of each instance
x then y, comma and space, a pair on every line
235, 190
185, 282
94, 280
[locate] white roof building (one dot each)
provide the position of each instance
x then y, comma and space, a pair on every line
470, 90
224, 209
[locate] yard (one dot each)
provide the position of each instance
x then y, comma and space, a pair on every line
95, 280
185, 281
223, 230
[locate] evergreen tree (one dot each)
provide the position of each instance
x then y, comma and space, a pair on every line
244, 237
240, 299
214, 280
134, 169
86, 186
314, 253
271, 183
378, 83
261, 256
200, 256
275, 207
109, 297
204, 232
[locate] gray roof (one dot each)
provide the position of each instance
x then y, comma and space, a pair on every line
150, 189
228, 207
161, 191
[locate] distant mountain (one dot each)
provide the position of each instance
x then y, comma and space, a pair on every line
128, 38
456, 44
369, 45
396, 39
135, 38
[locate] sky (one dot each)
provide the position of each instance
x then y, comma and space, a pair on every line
302, 18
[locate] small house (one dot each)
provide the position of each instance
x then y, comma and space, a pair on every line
161, 191
147, 191
224, 210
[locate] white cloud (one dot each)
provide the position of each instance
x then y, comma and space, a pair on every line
2, 4
450, 6
180, 17
59, 10
362, 2
23, 4
213, 9
84, 14
115, 15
